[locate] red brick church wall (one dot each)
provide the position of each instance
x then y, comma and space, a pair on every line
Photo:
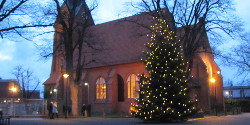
111, 104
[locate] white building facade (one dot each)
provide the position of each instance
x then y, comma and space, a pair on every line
237, 92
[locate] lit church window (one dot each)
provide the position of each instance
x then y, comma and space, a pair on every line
100, 88
133, 86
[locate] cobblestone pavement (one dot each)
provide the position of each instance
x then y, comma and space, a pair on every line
242, 119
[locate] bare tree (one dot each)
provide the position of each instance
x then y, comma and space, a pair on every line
18, 15
239, 57
73, 20
229, 83
26, 78
196, 17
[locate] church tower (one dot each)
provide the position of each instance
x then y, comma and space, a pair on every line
74, 17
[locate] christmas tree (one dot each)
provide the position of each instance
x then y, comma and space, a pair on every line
164, 94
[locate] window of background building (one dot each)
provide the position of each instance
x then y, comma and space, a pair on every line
230, 93
100, 88
242, 93
133, 86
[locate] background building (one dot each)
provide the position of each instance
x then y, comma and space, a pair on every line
237, 92
9, 88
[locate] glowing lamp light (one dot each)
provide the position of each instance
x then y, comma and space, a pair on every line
212, 80
65, 75
227, 93
218, 72
55, 90
86, 84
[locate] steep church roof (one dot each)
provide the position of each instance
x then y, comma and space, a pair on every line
120, 41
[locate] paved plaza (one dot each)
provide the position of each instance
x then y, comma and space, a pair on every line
242, 119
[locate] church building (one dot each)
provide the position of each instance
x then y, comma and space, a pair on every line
110, 82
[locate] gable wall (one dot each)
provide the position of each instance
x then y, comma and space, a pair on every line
200, 89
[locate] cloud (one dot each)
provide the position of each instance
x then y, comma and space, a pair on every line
5, 57
7, 49
242, 9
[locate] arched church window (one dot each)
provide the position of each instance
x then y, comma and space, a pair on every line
133, 86
100, 88
120, 87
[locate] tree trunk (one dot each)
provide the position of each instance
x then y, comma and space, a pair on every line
74, 98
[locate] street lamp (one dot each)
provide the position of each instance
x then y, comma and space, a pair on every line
13, 90
212, 80
55, 91
65, 75
86, 84
227, 93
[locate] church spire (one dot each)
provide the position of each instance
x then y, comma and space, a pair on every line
80, 9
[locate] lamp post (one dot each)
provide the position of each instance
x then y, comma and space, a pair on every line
87, 111
55, 91
87, 84
13, 90
65, 75
212, 80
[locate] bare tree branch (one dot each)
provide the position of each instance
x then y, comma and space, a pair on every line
21, 15
25, 78
8, 12
25, 26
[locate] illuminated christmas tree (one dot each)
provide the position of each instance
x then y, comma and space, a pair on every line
164, 94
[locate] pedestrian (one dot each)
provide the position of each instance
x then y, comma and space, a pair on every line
65, 111
69, 110
83, 109
54, 110
49, 107
1, 112
89, 110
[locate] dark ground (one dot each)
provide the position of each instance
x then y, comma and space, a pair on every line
242, 119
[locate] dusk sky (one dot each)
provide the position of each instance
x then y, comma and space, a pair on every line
24, 52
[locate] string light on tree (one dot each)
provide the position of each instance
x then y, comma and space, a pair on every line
165, 95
